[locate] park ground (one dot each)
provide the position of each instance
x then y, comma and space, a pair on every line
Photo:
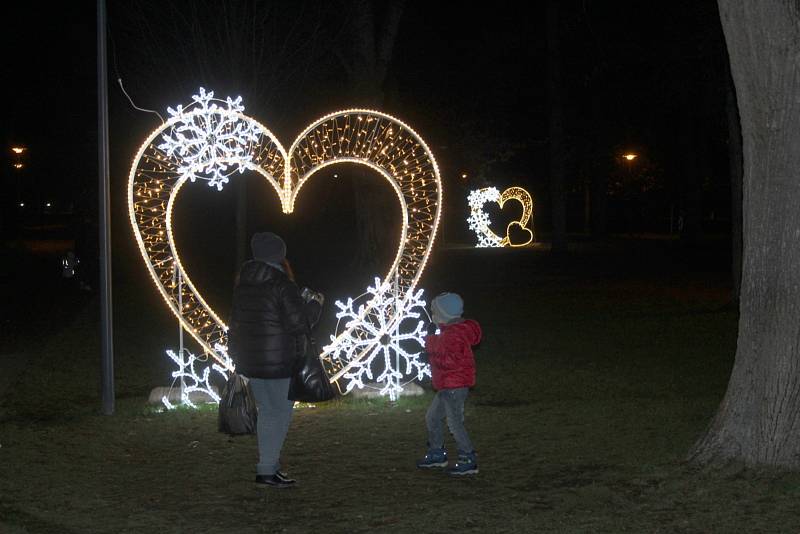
597, 373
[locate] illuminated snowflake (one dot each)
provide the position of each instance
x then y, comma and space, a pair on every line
479, 220
377, 339
210, 139
186, 371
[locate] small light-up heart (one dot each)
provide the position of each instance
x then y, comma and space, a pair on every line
479, 220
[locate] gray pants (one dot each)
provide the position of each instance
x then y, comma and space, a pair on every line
274, 416
448, 403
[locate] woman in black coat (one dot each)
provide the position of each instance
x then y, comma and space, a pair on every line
269, 326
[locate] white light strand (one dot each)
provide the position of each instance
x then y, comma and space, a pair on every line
199, 382
209, 139
375, 340
479, 220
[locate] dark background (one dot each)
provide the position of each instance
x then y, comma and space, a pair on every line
645, 79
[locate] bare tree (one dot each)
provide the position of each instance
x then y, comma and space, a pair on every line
558, 192
371, 33
735, 170
758, 421
256, 49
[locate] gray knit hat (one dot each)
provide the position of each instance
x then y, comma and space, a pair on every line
448, 306
268, 247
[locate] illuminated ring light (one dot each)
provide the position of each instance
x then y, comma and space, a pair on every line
479, 220
359, 136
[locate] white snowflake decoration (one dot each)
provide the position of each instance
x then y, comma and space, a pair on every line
186, 371
479, 220
210, 140
377, 342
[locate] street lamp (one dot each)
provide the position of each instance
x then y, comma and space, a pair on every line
18, 150
630, 156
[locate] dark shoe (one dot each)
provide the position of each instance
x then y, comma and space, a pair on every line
278, 480
433, 458
467, 464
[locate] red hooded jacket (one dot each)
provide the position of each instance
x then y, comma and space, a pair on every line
450, 354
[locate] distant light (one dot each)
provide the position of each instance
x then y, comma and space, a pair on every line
48, 205
630, 157
18, 149
18, 165
464, 176
21, 204
479, 220
335, 175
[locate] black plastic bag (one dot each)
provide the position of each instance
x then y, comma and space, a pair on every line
237, 407
309, 382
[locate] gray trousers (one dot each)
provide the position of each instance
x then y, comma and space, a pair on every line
448, 403
274, 416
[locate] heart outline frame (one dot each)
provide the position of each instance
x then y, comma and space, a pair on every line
361, 136
479, 219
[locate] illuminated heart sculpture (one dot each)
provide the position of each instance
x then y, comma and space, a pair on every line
479, 220
212, 139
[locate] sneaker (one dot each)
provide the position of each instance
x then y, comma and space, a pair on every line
433, 458
278, 480
467, 464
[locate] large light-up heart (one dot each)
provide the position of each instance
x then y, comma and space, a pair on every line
479, 220
212, 139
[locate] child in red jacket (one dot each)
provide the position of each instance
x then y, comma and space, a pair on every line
453, 373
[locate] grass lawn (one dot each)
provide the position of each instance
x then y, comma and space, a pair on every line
596, 374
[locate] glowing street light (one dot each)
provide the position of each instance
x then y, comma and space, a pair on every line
464, 176
18, 151
630, 156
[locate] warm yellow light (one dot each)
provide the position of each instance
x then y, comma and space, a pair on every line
18, 149
630, 156
486, 236
464, 176
381, 142
18, 165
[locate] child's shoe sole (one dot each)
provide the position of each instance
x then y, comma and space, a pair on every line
461, 473
429, 466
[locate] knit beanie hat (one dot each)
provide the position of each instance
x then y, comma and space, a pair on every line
448, 306
268, 247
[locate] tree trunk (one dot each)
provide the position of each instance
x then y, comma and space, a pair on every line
599, 205
758, 421
558, 201
374, 30
587, 207
735, 166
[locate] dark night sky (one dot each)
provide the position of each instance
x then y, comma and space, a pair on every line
471, 81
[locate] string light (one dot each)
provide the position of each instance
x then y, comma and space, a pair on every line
375, 341
211, 140
479, 220
199, 382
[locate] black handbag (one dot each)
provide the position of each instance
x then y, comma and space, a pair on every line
238, 413
309, 382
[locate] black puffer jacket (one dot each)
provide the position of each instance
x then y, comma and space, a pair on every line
268, 324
